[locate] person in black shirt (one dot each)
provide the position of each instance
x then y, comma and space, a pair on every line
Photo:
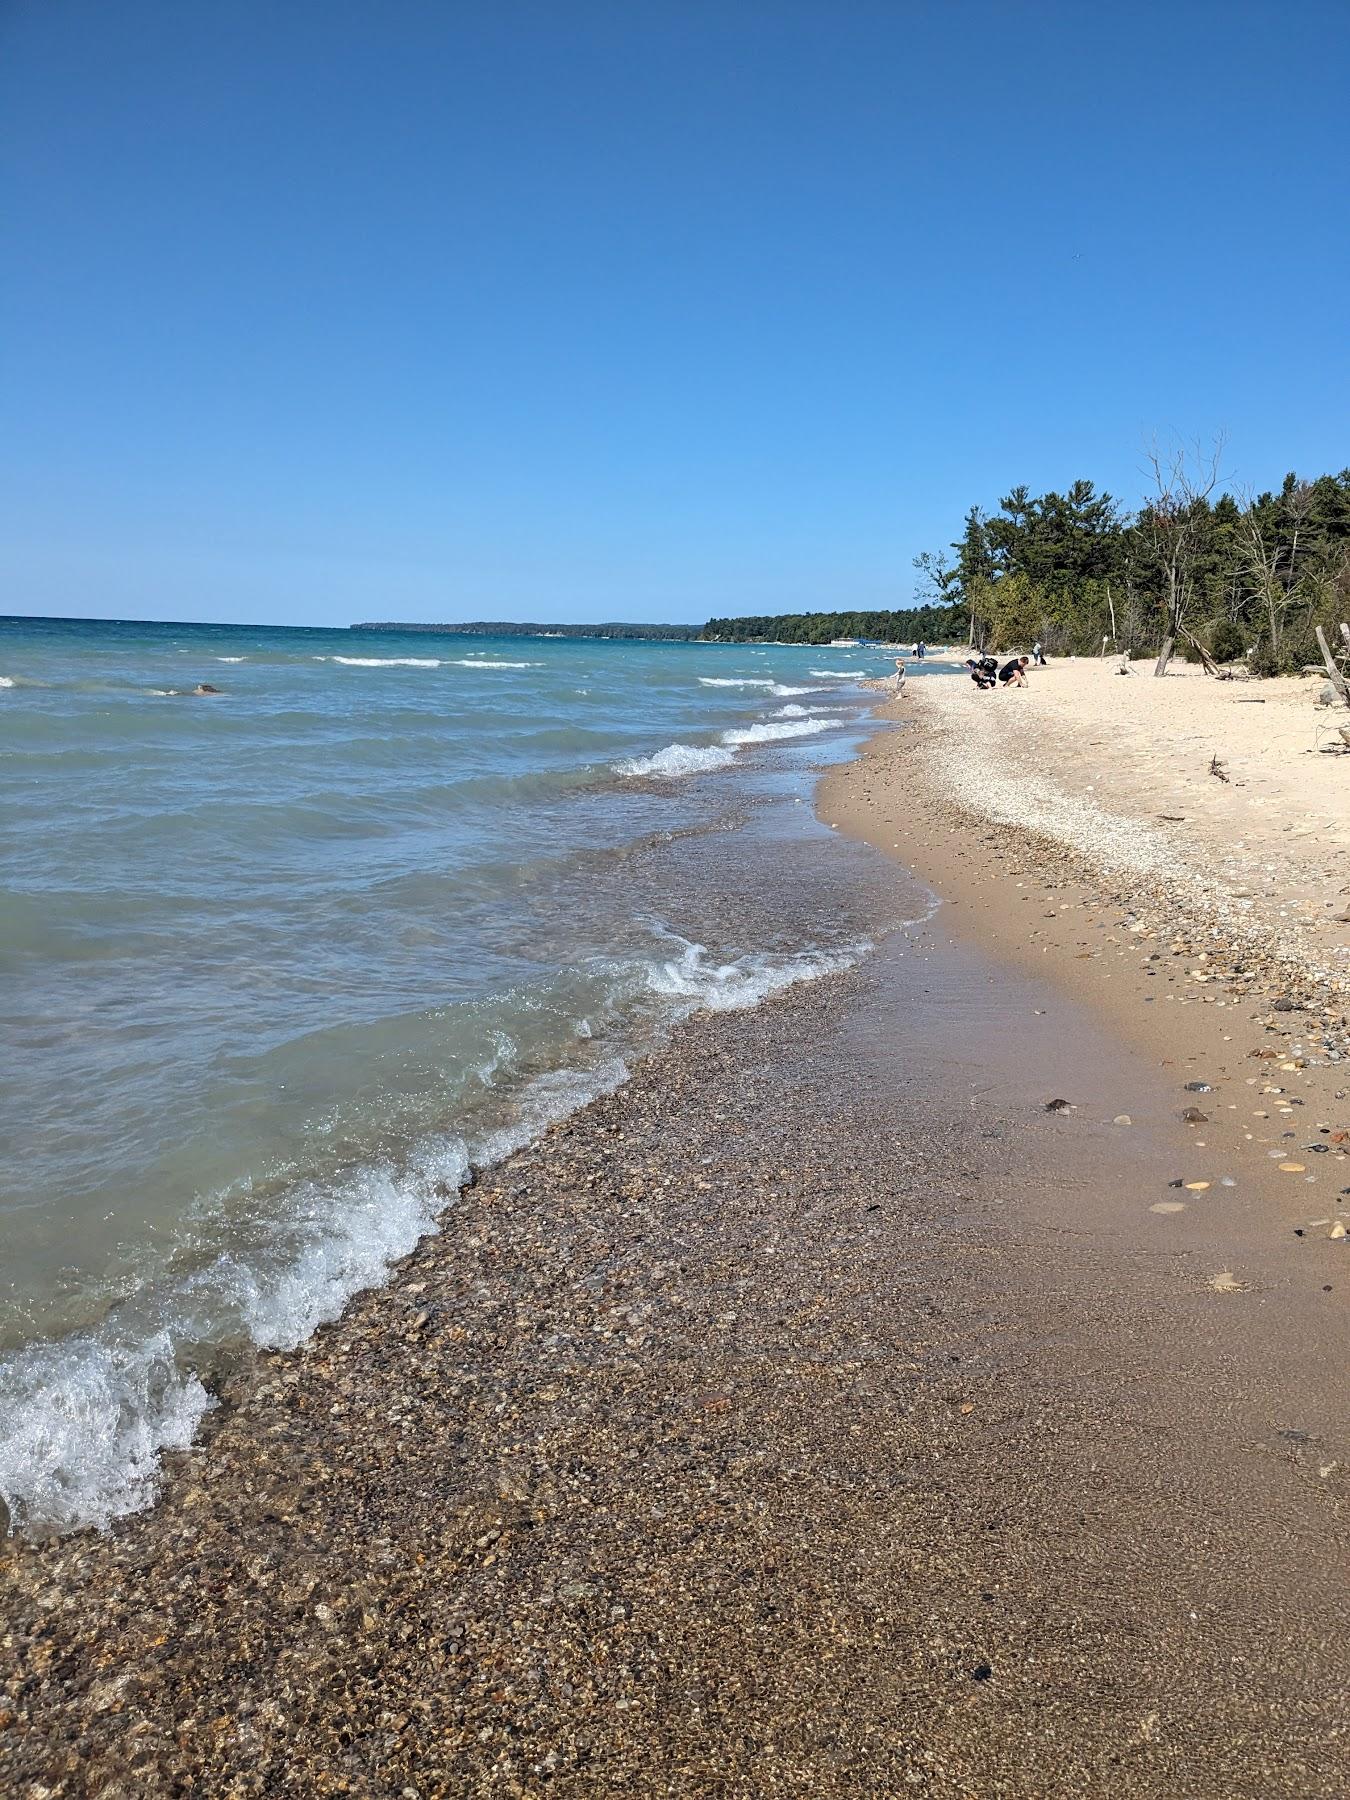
983, 670
1012, 673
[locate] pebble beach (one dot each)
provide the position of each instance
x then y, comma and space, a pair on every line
881, 1392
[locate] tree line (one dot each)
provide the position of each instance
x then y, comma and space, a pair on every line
937, 623
1235, 576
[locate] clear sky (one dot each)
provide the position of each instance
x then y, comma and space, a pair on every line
317, 310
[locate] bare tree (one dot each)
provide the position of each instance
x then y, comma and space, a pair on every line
935, 576
1175, 519
1262, 555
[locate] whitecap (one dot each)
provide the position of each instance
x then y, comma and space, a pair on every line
8, 681
384, 662
734, 681
767, 732
839, 674
231, 659
483, 662
677, 759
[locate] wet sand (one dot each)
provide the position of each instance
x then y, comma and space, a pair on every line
818, 1415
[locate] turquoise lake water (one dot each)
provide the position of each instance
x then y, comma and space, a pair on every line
280, 963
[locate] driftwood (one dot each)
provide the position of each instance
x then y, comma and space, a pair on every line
1211, 666
1334, 674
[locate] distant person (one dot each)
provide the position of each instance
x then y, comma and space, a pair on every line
921, 650
1038, 655
983, 670
901, 672
1013, 674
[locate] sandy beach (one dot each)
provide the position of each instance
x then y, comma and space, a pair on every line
928, 1381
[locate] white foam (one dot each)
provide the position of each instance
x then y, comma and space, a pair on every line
676, 760
7, 681
348, 1238
384, 662
84, 1423
85, 1420
231, 659
778, 688
697, 983
483, 662
769, 732
839, 674
793, 711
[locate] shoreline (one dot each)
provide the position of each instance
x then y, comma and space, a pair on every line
815, 1414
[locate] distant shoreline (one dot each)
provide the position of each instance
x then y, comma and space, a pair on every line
663, 634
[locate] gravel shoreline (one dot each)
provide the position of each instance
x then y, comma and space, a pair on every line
816, 1415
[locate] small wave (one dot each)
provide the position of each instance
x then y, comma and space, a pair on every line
793, 711
8, 681
840, 674
677, 759
778, 688
767, 732
700, 984
231, 659
384, 662
483, 662
86, 1419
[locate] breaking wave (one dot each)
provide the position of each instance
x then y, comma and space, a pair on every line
676, 760
769, 732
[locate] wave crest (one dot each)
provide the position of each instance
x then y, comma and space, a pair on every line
676, 760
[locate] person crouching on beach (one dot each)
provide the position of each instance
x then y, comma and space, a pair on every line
1013, 674
983, 670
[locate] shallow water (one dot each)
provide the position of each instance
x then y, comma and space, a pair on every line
280, 964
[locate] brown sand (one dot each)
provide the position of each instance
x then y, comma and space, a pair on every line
819, 1415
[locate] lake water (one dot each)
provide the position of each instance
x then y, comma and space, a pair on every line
280, 964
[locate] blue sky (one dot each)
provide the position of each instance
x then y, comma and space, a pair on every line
322, 311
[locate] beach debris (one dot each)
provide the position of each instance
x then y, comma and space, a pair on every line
1337, 1230
1196, 1187
1226, 1282
1217, 769
1122, 1119
982, 1672
1193, 1116
1060, 1106
1199, 1087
